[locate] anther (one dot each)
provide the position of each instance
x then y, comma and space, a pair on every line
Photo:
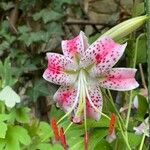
86, 140
112, 123
63, 138
55, 128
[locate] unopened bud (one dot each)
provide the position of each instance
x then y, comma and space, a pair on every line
125, 27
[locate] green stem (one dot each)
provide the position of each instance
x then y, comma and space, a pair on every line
148, 44
131, 93
120, 120
124, 137
112, 103
142, 142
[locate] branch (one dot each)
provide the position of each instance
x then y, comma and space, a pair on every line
86, 22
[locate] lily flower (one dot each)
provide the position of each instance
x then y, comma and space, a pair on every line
82, 70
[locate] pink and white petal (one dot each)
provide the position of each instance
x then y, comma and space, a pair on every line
57, 70
121, 79
102, 54
75, 47
94, 96
65, 97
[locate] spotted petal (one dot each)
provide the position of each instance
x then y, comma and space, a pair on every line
121, 79
102, 54
75, 47
94, 102
65, 97
58, 68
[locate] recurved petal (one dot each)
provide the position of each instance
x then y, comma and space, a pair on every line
102, 54
65, 97
75, 47
94, 102
120, 79
58, 69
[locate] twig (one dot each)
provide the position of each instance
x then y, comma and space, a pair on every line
142, 76
86, 22
11, 25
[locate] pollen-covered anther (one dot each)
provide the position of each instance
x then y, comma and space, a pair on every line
112, 124
86, 140
54, 126
63, 139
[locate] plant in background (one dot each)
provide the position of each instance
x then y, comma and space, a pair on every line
17, 131
82, 70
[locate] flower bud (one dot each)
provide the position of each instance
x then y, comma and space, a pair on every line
126, 27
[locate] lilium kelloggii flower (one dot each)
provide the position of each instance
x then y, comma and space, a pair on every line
82, 70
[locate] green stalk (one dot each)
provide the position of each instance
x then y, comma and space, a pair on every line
148, 43
142, 142
131, 94
112, 103
120, 120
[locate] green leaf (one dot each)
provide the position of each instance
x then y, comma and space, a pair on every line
23, 29
39, 88
44, 131
16, 135
22, 135
141, 50
25, 38
104, 145
2, 144
47, 15
75, 142
4, 117
54, 28
38, 15
12, 142
4, 45
21, 114
138, 9
6, 73
57, 147
142, 107
134, 140
39, 36
9, 96
44, 146
51, 16
3, 129
96, 137
6, 6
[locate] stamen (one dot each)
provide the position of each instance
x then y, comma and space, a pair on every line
68, 127
55, 128
63, 139
90, 101
86, 141
77, 117
84, 83
75, 103
112, 124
